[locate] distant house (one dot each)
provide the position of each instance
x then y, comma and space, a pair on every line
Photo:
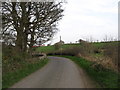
82, 41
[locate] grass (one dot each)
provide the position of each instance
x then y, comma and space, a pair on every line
11, 78
105, 78
102, 44
48, 49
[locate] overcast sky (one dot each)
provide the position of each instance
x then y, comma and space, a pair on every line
88, 18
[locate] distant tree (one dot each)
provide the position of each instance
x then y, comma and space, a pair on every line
105, 38
57, 46
91, 39
48, 44
110, 38
97, 40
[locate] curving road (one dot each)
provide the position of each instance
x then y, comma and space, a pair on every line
58, 73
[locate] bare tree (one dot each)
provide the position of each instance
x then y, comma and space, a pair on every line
105, 38
30, 23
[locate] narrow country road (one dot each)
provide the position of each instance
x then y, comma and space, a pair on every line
58, 73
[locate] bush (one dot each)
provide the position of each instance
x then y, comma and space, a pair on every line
111, 50
57, 46
11, 60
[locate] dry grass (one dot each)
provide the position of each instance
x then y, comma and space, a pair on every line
105, 62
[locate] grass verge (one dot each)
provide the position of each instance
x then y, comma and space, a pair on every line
11, 78
105, 78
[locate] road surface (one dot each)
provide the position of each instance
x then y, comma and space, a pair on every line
58, 73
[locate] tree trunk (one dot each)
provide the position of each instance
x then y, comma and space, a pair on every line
19, 42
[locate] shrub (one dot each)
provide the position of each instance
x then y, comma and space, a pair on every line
111, 50
57, 46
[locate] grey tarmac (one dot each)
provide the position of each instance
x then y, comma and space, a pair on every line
58, 73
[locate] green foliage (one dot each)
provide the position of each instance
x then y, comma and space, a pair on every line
57, 46
26, 68
105, 78
17, 58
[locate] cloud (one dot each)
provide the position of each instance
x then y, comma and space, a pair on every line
85, 18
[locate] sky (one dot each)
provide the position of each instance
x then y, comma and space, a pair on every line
88, 20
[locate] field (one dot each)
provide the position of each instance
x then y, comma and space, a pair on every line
48, 49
